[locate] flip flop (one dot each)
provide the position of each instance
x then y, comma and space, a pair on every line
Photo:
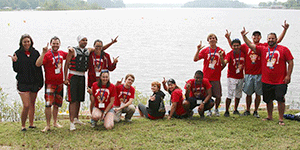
267, 119
281, 123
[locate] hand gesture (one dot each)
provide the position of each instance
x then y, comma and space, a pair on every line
152, 98
243, 32
115, 60
164, 81
71, 49
221, 53
119, 82
45, 49
199, 47
67, 82
14, 58
227, 35
187, 85
114, 40
285, 25
89, 90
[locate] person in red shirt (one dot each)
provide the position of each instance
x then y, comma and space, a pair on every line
212, 68
252, 81
177, 110
275, 74
52, 61
99, 60
124, 99
104, 94
235, 59
198, 93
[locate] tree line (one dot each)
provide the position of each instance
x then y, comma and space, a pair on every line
287, 4
59, 4
216, 3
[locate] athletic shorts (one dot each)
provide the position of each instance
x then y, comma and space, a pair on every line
235, 88
28, 87
252, 83
193, 102
53, 95
216, 89
274, 92
76, 89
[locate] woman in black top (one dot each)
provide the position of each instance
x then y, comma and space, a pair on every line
29, 77
153, 112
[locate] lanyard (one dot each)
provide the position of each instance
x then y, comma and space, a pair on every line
56, 63
237, 63
271, 56
211, 59
101, 97
98, 66
126, 94
196, 88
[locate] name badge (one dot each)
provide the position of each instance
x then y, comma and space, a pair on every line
211, 66
237, 71
97, 74
269, 64
57, 71
199, 101
101, 105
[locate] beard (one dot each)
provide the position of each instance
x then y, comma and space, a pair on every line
271, 43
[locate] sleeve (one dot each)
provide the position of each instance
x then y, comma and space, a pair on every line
244, 48
132, 92
227, 57
113, 91
202, 54
45, 59
175, 96
64, 55
287, 54
259, 49
111, 66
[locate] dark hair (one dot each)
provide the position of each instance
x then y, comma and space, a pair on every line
22, 38
129, 75
199, 72
98, 41
100, 82
211, 35
171, 81
272, 33
55, 38
236, 41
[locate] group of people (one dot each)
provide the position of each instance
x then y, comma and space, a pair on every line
253, 67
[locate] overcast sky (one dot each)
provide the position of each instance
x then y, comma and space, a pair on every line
184, 1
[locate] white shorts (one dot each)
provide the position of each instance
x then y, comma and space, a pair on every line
235, 87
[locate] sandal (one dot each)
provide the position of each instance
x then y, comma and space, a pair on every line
23, 129
281, 123
46, 129
32, 127
267, 119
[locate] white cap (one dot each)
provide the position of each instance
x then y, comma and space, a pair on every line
80, 37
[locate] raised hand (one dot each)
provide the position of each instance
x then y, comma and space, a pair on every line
187, 85
115, 60
221, 53
285, 25
199, 47
45, 49
119, 82
243, 32
164, 81
152, 98
89, 90
14, 58
114, 40
227, 35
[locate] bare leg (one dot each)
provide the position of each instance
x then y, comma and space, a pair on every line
281, 109
72, 111
236, 103
141, 114
25, 96
55, 113
109, 121
186, 105
257, 102
218, 101
48, 118
32, 107
92, 103
248, 102
270, 110
228, 101
77, 108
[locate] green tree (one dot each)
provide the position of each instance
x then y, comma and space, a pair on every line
24, 4
262, 4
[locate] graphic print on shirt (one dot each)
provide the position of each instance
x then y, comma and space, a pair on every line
124, 96
199, 92
213, 60
102, 95
57, 62
253, 56
274, 59
238, 63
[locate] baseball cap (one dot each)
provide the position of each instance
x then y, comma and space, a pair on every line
171, 81
256, 32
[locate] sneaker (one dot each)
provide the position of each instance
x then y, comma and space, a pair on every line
72, 126
93, 123
226, 114
77, 121
217, 113
209, 113
236, 112
127, 120
255, 114
246, 113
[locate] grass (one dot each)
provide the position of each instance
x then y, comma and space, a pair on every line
235, 132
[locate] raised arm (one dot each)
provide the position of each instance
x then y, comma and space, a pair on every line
285, 27
111, 43
39, 61
247, 41
164, 84
227, 35
199, 47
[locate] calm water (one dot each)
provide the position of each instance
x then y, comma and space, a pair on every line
152, 44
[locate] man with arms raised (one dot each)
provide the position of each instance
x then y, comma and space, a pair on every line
52, 61
275, 74
212, 67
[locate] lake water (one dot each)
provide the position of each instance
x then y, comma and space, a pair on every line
152, 44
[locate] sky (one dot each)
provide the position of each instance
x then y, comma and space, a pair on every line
184, 1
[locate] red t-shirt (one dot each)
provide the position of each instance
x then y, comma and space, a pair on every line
96, 65
123, 94
211, 56
177, 96
235, 62
103, 95
53, 67
281, 55
196, 92
253, 60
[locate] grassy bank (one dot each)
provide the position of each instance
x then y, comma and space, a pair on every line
234, 132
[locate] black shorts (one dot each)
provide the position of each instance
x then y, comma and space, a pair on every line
28, 87
193, 102
274, 92
76, 89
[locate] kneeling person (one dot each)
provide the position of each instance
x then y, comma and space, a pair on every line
198, 93
104, 96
